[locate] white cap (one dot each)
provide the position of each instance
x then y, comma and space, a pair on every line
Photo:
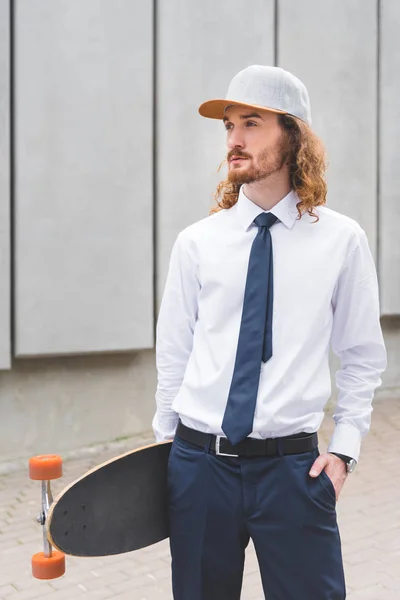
266, 88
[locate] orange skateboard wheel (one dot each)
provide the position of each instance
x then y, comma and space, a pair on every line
48, 567
45, 467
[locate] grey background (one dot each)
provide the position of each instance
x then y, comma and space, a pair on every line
83, 186
112, 160
389, 135
333, 49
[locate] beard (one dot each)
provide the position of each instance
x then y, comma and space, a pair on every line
268, 162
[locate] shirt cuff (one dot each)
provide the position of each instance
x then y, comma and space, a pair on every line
164, 427
346, 439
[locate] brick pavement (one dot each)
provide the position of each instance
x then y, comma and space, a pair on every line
368, 513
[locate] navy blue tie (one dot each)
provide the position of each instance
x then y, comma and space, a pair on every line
255, 336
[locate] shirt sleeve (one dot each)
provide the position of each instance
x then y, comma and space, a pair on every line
174, 333
357, 339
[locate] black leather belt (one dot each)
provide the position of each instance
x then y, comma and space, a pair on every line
295, 444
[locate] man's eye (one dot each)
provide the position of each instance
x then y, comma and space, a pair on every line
228, 126
250, 124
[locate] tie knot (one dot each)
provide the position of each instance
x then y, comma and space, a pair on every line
265, 220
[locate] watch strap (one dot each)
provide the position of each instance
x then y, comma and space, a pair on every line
344, 458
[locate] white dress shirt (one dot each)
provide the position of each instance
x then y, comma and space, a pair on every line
325, 292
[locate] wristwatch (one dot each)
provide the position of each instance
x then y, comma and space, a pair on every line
350, 463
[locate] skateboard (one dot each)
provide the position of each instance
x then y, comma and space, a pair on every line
117, 507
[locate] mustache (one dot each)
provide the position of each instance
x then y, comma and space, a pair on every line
234, 152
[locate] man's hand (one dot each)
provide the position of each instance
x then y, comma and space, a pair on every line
335, 469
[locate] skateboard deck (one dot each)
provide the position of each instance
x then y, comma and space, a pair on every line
117, 507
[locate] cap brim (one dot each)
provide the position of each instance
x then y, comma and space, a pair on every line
215, 109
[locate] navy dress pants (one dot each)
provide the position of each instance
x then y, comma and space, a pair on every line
216, 504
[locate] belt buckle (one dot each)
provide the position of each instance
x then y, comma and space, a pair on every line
218, 448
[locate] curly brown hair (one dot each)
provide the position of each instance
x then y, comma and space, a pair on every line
307, 166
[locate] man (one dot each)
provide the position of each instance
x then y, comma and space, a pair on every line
255, 294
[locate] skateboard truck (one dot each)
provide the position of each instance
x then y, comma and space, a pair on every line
48, 564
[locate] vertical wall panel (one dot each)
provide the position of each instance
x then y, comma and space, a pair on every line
5, 317
200, 47
389, 206
332, 47
83, 176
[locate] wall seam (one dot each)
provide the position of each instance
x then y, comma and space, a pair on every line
12, 175
378, 143
154, 170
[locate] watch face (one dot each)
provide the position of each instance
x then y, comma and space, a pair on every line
351, 465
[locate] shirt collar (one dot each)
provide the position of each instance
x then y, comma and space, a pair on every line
285, 210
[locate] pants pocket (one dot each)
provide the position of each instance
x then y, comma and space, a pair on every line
321, 488
327, 483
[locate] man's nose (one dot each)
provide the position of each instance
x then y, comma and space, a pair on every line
235, 140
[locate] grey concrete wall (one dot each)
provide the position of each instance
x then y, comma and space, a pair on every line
389, 205
332, 47
84, 198
391, 378
200, 47
62, 404
5, 225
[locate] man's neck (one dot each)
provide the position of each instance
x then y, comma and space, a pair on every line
268, 192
